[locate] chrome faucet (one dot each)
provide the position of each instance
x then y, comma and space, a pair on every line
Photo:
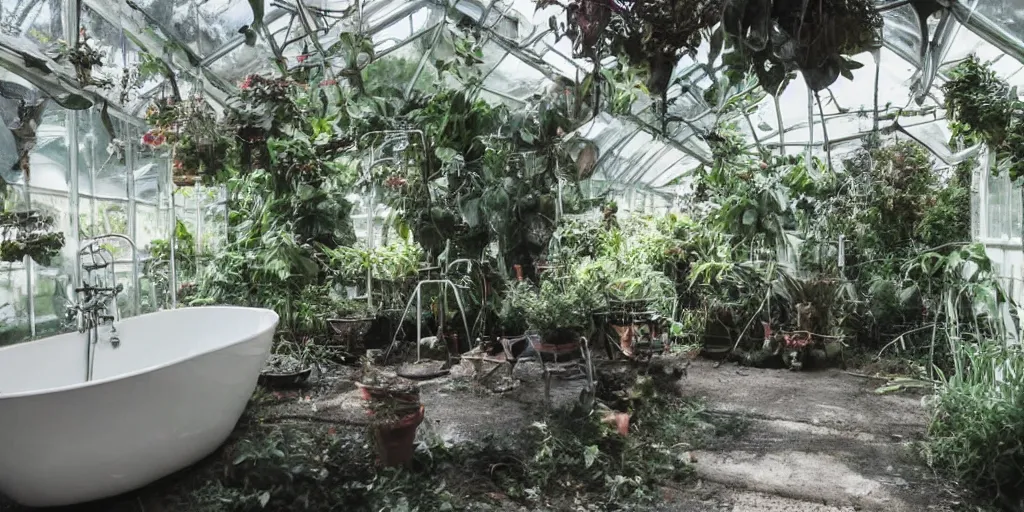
98, 304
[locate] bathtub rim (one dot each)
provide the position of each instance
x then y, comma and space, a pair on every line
121, 376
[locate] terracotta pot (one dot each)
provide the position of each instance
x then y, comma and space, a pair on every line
396, 441
619, 420
519, 272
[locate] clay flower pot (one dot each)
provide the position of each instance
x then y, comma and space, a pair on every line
395, 441
618, 420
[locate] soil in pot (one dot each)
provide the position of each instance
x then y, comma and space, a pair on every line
281, 371
403, 394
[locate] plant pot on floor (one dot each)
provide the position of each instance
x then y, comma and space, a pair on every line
396, 441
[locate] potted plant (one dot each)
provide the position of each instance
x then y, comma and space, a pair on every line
556, 311
393, 404
351, 321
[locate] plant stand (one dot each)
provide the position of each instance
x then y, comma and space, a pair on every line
417, 295
555, 351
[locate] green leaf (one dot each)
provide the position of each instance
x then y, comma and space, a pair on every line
908, 293
852, 64
264, 498
717, 42
526, 136
471, 212
257, 13
445, 154
590, 454
749, 217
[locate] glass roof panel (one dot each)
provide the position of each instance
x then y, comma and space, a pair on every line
244, 60
1008, 14
31, 23
175, 18
902, 31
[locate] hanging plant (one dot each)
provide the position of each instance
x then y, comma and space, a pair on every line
981, 107
776, 37
28, 234
650, 34
83, 56
189, 128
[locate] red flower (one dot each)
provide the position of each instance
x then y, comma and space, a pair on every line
395, 182
797, 342
247, 83
153, 138
302, 58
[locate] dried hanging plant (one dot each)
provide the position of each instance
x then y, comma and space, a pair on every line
30, 107
776, 37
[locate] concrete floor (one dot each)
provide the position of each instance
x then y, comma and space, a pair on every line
815, 441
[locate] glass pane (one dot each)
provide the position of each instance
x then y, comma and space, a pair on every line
49, 195
996, 209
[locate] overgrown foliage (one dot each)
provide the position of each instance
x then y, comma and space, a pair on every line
574, 459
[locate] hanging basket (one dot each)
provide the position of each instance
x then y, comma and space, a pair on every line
185, 180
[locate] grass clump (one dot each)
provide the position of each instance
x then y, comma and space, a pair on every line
976, 433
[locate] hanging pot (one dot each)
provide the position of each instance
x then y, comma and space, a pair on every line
395, 441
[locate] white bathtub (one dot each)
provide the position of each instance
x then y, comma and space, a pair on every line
167, 397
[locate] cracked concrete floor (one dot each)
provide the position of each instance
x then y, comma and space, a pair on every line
814, 441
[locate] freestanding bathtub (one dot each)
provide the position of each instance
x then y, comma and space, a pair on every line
168, 396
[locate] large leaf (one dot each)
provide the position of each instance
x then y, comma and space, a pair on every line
470, 210
749, 217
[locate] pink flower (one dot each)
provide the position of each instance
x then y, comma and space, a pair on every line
302, 58
329, 81
247, 83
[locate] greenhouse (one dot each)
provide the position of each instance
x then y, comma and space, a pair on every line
398, 255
